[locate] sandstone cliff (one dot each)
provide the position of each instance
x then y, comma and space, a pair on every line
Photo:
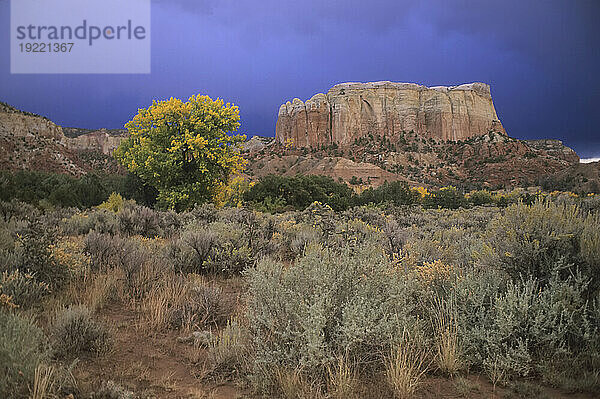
16, 123
97, 140
32, 142
350, 111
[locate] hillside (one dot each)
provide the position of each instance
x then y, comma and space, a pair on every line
581, 177
494, 159
377, 131
32, 142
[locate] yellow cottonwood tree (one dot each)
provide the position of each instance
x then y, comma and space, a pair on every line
186, 150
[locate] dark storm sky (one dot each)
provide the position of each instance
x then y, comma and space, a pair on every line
542, 59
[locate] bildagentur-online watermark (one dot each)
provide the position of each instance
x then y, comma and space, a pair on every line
75, 36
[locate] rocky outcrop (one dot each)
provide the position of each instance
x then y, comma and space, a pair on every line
350, 111
32, 142
98, 141
492, 160
555, 148
19, 124
256, 143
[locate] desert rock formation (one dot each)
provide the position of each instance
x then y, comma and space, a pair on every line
32, 142
554, 147
350, 111
98, 140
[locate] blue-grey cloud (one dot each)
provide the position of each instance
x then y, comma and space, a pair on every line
539, 57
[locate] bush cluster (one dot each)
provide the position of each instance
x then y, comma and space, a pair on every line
450, 284
521, 287
298, 192
75, 332
23, 347
350, 302
56, 189
280, 193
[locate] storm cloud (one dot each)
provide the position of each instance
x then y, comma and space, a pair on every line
541, 59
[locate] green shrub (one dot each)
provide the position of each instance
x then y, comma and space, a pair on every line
301, 238
15, 209
23, 347
589, 242
205, 213
512, 329
217, 248
329, 304
192, 250
446, 197
481, 197
68, 191
396, 193
24, 290
533, 325
139, 220
106, 251
299, 191
36, 255
232, 253
101, 221
529, 240
75, 332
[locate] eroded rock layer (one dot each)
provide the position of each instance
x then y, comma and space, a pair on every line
350, 111
32, 142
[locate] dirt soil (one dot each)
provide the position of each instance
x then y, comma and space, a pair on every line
152, 366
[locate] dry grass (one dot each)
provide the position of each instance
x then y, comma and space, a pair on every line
204, 307
139, 282
293, 384
104, 288
406, 367
465, 387
228, 353
43, 383
445, 329
342, 380
157, 305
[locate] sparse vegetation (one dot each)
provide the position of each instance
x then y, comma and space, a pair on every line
75, 332
308, 303
23, 348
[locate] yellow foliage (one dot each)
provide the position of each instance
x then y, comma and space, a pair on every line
114, 203
232, 194
429, 272
421, 191
69, 252
186, 150
6, 302
289, 143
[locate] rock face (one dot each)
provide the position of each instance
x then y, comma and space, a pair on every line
350, 111
33, 142
553, 147
16, 123
257, 143
98, 140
